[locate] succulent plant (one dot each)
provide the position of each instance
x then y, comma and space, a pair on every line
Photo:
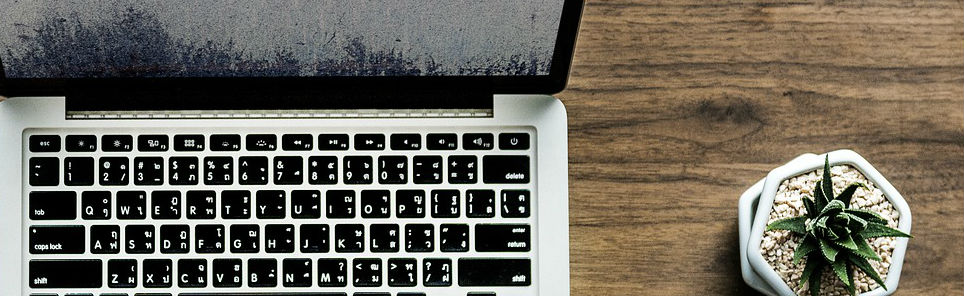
835, 235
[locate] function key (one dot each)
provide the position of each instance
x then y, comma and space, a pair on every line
152, 143
369, 142
117, 143
333, 142
442, 141
45, 143
81, 143
406, 142
189, 143
261, 142
513, 141
300, 142
225, 142
477, 141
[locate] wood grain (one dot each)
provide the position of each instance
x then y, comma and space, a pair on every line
676, 107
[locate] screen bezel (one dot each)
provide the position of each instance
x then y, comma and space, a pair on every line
542, 84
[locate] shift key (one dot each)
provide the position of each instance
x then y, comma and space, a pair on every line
502, 237
63, 274
57, 239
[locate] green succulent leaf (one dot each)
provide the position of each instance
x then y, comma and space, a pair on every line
814, 267
855, 224
811, 207
827, 184
865, 266
840, 269
880, 230
794, 224
846, 242
815, 283
828, 250
807, 246
852, 288
848, 193
833, 207
868, 215
863, 249
818, 198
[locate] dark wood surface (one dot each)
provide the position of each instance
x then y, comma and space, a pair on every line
676, 107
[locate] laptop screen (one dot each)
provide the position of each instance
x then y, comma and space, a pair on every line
259, 38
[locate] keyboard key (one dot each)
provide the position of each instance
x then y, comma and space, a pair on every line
402, 272
175, 239
189, 143
299, 142
502, 237
305, 204
480, 203
349, 238
79, 171
201, 204
131, 205
158, 273
288, 170
104, 239
148, 171
332, 272
192, 273
117, 143
392, 170
225, 142
454, 237
410, 203
152, 143
44, 143
358, 169
166, 205
406, 142
253, 170
139, 238
262, 273
263, 294
442, 141
509, 169
322, 170
463, 169
279, 238
376, 203
209, 239
369, 142
419, 238
445, 204
314, 238
438, 272
478, 141
384, 238
367, 272
296, 272
219, 170
330, 142
427, 169
81, 143
410, 294
44, 171
122, 273
235, 204
271, 204
184, 171
53, 205
245, 238
341, 204
494, 272
67, 239
261, 142
114, 171
47, 274
515, 203
227, 273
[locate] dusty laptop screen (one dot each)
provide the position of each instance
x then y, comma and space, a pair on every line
222, 38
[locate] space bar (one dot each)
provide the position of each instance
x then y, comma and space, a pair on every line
263, 294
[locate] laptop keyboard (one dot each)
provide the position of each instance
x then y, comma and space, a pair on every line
297, 213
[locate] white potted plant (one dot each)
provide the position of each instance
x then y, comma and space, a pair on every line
825, 225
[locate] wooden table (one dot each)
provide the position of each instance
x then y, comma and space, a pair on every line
676, 107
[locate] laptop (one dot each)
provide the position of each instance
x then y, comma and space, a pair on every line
297, 148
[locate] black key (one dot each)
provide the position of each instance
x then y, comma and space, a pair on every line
192, 273
225, 142
341, 204
139, 239
201, 204
402, 272
419, 238
95, 205
44, 143
148, 171
261, 142
122, 273
189, 143
314, 238
371, 294
406, 142
349, 238
502, 238
184, 171
445, 203
410, 203
235, 204
131, 205
427, 169
227, 273
453, 237
322, 170
245, 238
376, 203
367, 272
299, 142
175, 239
384, 238
262, 273
253, 170
410, 294
438, 272
271, 204
152, 143
288, 170
218, 170
104, 239
264, 294
44, 171
494, 272
296, 272
81, 143
53, 205
515, 203
480, 141
279, 238
158, 273
332, 272
463, 169
480, 203
209, 239
328, 142
67, 239
392, 170
79, 171
358, 169
305, 204
509, 169
369, 142
166, 205
117, 143
442, 141
46, 274
114, 171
